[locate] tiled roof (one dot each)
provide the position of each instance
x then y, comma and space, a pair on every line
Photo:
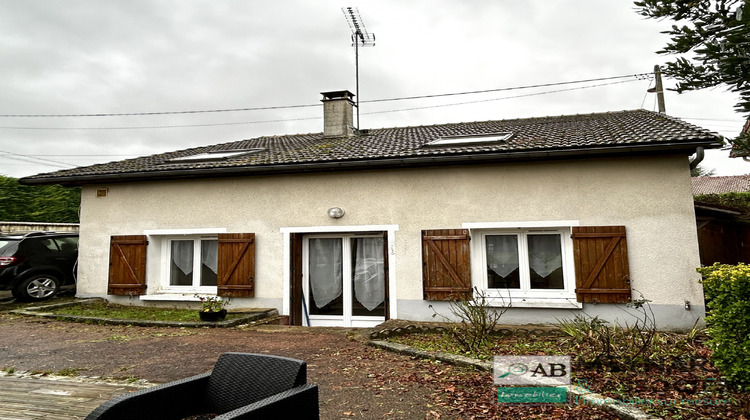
540, 137
720, 184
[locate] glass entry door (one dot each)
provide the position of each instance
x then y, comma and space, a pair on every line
344, 280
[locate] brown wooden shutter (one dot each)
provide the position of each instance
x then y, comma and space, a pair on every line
127, 265
236, 265
446, 268
601, 263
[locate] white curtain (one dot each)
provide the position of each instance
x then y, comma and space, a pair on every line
182, 255
369, 272
325, 270
502, 254
210, 255
544, 254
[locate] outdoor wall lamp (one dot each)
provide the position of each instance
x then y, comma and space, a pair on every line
336, 212
687, 305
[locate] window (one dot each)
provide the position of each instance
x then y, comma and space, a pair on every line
525, 266
216, 156
193, 262
183, 262
490, 138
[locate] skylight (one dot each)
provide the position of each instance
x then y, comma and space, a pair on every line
214, 156
471, 139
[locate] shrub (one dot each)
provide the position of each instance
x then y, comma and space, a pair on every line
478, 320
727, 290
615, 347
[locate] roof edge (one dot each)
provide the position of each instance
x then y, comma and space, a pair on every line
341, 165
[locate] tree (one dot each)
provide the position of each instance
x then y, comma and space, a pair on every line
47, 203
712, 46
701, 171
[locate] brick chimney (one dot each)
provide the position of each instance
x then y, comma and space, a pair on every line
338, 119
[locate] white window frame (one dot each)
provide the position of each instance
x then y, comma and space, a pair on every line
161, 240
196, 263
525, 297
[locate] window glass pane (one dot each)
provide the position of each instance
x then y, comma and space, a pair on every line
368, 279
8, 247
49, 244
502, 262
326, 281
209, 262
181, 263
545, 261
68, 245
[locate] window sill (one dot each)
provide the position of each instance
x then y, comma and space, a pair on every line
518, 302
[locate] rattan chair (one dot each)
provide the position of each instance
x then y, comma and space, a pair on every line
241, 386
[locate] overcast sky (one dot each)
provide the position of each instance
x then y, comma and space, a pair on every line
115, 56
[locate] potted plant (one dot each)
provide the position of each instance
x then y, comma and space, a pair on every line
212, 308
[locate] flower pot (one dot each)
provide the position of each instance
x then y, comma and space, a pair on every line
213, 316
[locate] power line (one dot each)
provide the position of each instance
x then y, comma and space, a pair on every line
148, 127
86, 155
26, 158
638, 76
500, 99
125, 114
317, 118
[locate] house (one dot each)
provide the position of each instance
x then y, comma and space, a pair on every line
553, 216
723, 231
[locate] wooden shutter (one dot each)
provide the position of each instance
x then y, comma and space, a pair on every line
236, 265
446, 268
127, 265
601, 263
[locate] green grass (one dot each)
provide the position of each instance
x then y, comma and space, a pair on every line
113, 311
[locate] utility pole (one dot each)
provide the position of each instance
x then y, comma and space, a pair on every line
659, 89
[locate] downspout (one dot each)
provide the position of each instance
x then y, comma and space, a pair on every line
699, 155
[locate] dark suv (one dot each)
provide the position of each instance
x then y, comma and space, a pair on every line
34, 266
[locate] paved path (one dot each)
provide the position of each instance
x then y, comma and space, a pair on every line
25, 398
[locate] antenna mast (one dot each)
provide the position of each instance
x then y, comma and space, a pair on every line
359, 36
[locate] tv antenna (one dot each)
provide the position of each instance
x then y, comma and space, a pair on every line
359, 36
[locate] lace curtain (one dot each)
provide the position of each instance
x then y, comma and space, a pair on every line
544, 254
210, 255
502, 254
325, 270
369, 272
182, 255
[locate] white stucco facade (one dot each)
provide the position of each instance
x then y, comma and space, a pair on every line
650, 196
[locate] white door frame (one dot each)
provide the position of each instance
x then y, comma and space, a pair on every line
390, 231
347, 319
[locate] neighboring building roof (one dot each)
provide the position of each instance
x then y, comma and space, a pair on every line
600, 134
720, 184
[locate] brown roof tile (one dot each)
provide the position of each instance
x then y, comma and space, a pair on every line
575, 134
720, 184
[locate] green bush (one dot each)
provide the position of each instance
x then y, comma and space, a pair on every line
727, 289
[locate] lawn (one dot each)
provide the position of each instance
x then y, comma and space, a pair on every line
102, 309
675, 380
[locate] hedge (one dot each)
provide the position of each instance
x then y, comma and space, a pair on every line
727, 289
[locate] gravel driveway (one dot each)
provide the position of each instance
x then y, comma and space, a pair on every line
355, 380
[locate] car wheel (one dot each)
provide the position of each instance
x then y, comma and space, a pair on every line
39, 287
